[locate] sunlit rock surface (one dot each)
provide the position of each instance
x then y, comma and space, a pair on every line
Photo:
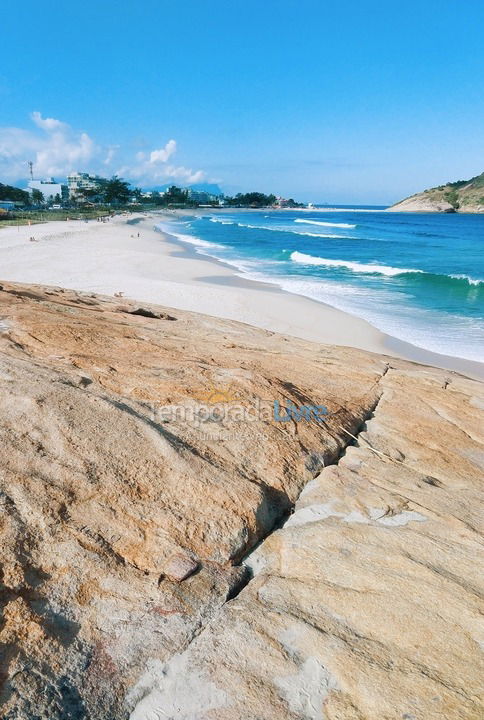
141, 467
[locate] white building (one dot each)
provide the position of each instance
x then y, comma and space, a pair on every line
82, 181
48, 188
200, 196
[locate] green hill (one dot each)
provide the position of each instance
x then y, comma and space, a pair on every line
461, 196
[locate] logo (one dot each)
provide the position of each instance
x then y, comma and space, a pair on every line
317, 413
218, 412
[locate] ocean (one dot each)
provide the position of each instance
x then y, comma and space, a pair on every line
418, 277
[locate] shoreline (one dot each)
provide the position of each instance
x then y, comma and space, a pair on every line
391, 345
109, 258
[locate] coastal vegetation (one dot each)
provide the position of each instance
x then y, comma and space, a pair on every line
104, 195
452, 197
173, 196
251, 199
35, 216
258, 200
37, 197
8, 192
114, 191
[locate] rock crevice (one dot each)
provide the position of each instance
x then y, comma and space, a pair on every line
123, 523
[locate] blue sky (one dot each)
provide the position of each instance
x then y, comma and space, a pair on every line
324, 101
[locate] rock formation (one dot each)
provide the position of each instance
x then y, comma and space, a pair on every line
170, 549
461, 196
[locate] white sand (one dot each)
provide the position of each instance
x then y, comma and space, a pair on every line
109, 258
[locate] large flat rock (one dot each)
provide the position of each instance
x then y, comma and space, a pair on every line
141, 463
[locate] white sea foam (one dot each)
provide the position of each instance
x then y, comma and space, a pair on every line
285, 230
384, 308
293, 232
334, 209
325, 235
470, 280
325, 224
192, 239
353, 266
386, 311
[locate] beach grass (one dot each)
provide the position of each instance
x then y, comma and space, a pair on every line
34, 217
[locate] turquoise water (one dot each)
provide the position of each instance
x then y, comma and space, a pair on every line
418, 277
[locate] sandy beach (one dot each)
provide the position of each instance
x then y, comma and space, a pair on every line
129, 255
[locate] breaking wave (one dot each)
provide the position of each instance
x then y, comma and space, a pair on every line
324, 224
353, 266
389, 271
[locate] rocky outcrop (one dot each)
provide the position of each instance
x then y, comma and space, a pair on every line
142, 466
422, 203
462, 196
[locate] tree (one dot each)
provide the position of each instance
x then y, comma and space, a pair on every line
8, 192
58, 199
88, 194
37, 197
155, 197
175, 196
116, 191
291, 203
252, 199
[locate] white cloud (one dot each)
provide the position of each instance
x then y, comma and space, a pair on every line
49, 124
153, 166
184, 174
111, 152
163, 155
56, 149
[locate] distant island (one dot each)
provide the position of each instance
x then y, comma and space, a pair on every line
464, 196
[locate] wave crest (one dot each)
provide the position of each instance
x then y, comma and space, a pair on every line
353, 266
283, 230
388, 270
324, 224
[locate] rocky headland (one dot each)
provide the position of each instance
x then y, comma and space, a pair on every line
462, 196
170, 549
